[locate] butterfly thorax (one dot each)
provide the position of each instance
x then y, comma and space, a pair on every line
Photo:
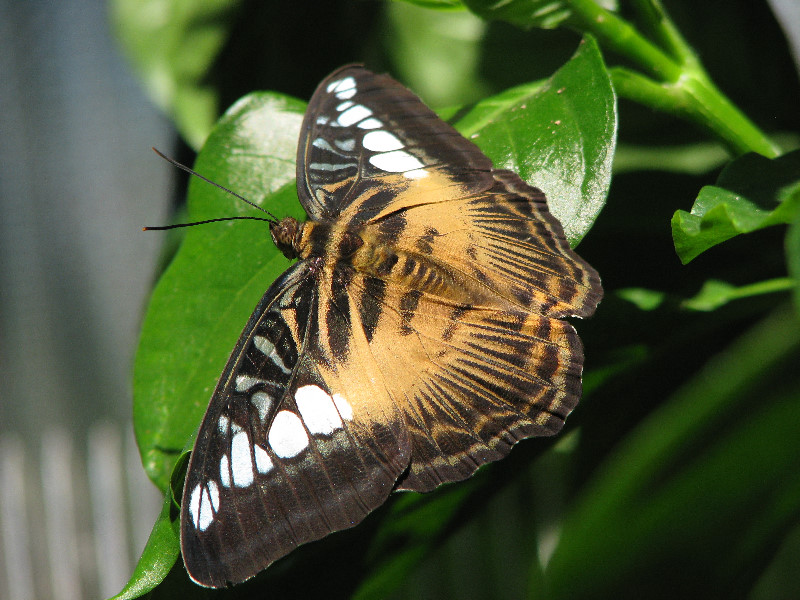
312, 239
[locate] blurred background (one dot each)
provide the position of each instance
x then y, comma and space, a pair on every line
78, 181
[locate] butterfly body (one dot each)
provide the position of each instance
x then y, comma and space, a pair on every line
417, 337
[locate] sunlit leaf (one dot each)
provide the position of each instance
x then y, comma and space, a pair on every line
752, 192
559, 135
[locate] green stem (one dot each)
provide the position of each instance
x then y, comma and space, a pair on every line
663, 30
682, 88
699, 101
620, 36
712, 108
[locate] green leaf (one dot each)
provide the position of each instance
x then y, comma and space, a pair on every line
173, 44
695, 159
752, 192
217, 277
559, 135
643, 298
527, 14
715, 293
793, 254
160, 554
437, 53
705, 487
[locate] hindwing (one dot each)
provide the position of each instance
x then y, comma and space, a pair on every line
471, 380
289, 450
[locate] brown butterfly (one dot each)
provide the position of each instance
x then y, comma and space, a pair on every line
418, 336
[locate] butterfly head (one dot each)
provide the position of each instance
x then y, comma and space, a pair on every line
286, 235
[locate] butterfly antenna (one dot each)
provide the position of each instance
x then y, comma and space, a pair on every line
183, 167
193, 223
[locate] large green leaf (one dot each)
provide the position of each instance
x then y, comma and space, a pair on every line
751, 193
217, 277
206, 295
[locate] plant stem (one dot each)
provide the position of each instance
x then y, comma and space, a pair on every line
682, 88
666, 35
622, 37
699, 101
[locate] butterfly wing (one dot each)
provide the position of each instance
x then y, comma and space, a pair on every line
371, 153
288, 450
503, 239
470, 380
368, 145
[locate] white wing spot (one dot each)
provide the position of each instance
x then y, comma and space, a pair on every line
194, 505
329, 167
263, 461
322, 120
222, 424
344, 106
262, 403
317, 409
267, 348
341, 85
225, 471
370, 123
321, 143
343, 406
353, 115
202, 505
287, 436
241, 460
395, 162
245, 382
206, 516
381, 141
346, 94
347, 145
213, 490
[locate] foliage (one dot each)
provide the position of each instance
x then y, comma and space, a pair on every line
676, 475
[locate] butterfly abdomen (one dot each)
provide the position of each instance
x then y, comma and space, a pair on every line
415, 271
338, 245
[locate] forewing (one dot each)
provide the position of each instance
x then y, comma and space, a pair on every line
369, 145
504, 240
288, 451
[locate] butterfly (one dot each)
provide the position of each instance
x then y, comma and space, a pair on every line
418, 336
